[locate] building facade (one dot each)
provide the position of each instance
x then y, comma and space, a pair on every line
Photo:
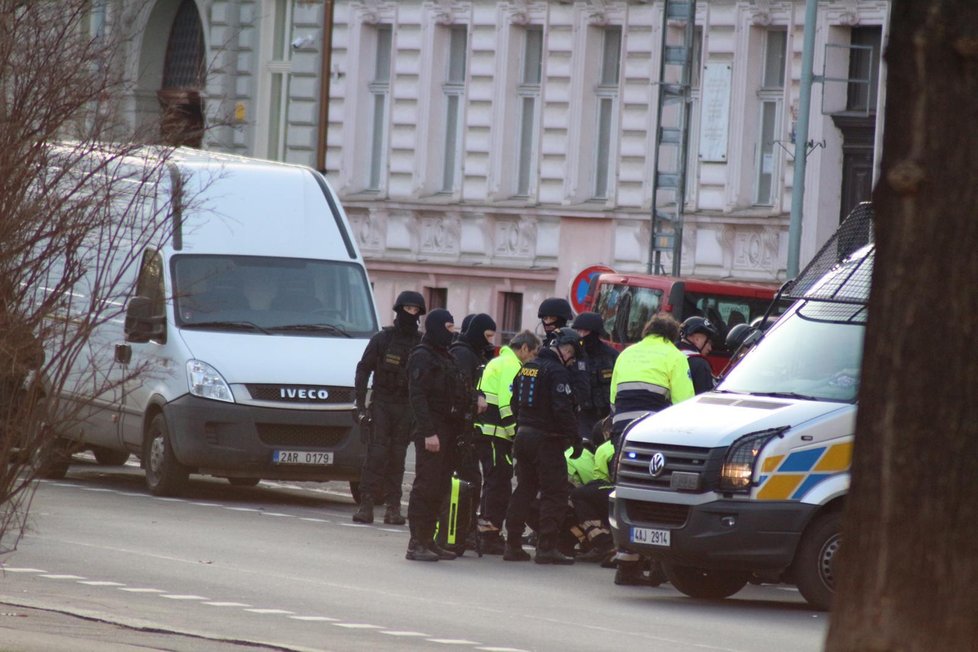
487, 152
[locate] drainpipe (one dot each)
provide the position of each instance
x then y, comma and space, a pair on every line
324, 84
801, 139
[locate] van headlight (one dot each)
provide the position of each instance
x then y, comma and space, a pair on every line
206, 382
738, 463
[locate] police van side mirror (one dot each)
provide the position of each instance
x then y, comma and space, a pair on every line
141, 324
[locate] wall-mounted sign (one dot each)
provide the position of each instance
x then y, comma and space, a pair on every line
715, 116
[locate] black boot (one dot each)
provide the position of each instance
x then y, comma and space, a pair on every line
366, 512
629, 573
393, 515
492, 543
552, 556
419, 552
447, 555
514, 550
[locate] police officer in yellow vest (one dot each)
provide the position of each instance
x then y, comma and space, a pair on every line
498, 425
649, 375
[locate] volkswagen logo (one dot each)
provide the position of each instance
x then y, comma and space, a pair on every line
657, 464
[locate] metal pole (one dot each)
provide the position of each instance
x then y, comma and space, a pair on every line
324, 83
801, 139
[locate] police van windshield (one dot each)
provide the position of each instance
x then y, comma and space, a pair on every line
274, 295
809, 353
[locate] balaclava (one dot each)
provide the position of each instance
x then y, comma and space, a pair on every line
475, 335
435, 332
406, 322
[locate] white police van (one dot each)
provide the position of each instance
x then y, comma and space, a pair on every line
747, 483
237, 332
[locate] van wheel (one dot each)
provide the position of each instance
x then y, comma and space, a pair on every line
52, 460
109, 457
704, 584
814, 565
165, 476
244, 482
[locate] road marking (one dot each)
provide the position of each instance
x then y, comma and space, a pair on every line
315, 520
133, 590
323, 619
169, 500
269, 611
390, 529
277, 514
171, 596
63, 577
21, 570
357, 626
406, 634
98, 489
452, 641
354, 525
207, 504
502, 649
100, 583
242, 509
227, 604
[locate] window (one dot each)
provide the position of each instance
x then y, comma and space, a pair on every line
277, 75
379, 89
770, 101
512, 315
607, 94
454, 89
864, 65
528, 94
436, 298
149, 284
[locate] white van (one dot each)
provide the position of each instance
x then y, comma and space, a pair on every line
243, 323
747, 483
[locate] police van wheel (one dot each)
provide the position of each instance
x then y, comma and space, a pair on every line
814, 566
702, 583
109, 457
165, 476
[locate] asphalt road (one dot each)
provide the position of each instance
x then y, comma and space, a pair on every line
282, 566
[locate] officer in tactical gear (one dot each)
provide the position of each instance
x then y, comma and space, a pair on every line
495, 444
472, 350
546, 426
553, 313
387, 422
438, 404
696, 341
594, 369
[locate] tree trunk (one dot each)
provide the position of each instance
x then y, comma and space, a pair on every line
908, 570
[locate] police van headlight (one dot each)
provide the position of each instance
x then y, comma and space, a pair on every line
206, 382
738, 463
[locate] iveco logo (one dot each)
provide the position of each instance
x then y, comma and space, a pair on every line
310, 393
657, 464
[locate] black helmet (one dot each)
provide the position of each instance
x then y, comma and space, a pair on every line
410, 298
567, 336
590, 321
555, 307
741, 334
694, 325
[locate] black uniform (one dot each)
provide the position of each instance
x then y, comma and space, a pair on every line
546, 426
593, 385
438, 406
699, 367
471, 352
386, 359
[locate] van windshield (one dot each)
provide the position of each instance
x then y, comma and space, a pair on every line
810, 353
273, 295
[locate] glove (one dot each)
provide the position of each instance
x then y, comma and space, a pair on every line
577, 448
363, 416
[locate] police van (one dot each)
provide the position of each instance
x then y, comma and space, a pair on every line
747, 483
243, 308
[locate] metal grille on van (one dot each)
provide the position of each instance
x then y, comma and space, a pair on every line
687, 468
304, 394
639, 511
281, 434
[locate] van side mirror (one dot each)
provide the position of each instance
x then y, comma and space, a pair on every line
141, 324
740, 335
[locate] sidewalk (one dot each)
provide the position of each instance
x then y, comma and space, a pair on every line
30, 629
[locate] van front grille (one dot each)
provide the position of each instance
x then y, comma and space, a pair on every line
696, 469
656, 513
281, 434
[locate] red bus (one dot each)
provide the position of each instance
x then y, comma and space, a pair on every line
627, 301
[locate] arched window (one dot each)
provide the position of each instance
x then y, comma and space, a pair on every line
183, 76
